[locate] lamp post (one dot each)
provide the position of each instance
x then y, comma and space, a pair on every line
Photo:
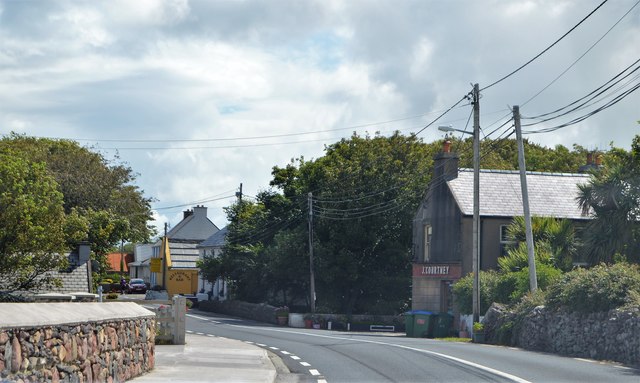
475, 254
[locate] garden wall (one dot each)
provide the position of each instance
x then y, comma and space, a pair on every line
75, 342
260, 312
613, 335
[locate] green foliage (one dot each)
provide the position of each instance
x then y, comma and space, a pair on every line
600, 288
463, 291
478, 327
31, 225
92, 187
554, 240
612, 197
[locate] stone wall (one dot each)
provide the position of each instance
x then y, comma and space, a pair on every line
613, 335
260, 312
109, 350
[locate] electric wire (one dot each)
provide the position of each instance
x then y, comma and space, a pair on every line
581, 56
545, 50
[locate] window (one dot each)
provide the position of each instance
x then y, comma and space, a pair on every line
505, 243
427, 242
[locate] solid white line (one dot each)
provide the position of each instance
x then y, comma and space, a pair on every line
314, 372
197, 317
453, 358
305, 364
295, 357
585, 360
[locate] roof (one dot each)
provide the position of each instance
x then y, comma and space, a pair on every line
114, 261
74, 278
218, 239
550, 194
184, 255
195, 226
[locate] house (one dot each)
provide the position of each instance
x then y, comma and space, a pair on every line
119, 262
443, 224
76, 278
212, 247
179, 275
140, 266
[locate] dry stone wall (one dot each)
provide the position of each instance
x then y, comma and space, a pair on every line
113, 350
613, 335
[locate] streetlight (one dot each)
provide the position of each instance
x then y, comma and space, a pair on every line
475, 254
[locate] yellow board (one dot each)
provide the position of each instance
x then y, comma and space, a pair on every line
156, 265
182, 282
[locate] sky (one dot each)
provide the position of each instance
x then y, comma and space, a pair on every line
201, 96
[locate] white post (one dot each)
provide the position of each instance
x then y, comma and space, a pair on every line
179, 308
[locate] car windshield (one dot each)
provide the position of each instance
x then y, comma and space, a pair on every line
137, 281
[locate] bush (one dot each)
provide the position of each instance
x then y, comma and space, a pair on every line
463, 291
112, 296
600, 288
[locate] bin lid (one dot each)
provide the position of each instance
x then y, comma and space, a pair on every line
413, 312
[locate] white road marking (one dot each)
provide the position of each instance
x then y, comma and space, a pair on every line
585, 360
285, 352
453, 358
189, 332
198, 317
261, 345
211, 335
274, 348
248, 342
199, 333
322, 381
305, 364
295, 357
314, 372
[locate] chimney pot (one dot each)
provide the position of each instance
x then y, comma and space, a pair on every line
446, 146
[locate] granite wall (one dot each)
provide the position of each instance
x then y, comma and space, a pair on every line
109, 350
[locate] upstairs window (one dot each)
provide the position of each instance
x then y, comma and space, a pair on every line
427, 242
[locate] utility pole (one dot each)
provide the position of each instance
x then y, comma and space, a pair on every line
475, 255
164, 258
239, 193
533, 280
312, 282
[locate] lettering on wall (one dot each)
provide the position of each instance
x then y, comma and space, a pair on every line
442, 270
435, 270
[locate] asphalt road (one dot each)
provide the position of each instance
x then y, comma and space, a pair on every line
335, 356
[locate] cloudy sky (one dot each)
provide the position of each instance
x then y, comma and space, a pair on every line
200, 96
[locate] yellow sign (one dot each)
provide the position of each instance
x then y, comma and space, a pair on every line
156, 265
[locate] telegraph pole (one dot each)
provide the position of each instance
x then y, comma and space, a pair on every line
475, 255
533, 280
239, 193
312, 281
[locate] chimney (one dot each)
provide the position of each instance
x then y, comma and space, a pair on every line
83, 252
445, 163
591, 165
200, 211
187, 213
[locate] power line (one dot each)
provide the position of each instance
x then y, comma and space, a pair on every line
193, 203
581, 56
545, 50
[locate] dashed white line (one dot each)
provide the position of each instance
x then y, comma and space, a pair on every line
285, 352
295, 357
248, 342
211, 335
261, 345
322, 381
189, 332
314, 372
199, 333
274, 348
305, 364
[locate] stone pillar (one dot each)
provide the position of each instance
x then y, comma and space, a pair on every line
179, 308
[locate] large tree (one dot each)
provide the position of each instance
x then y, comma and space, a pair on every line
99, 191
613, 197
31, 225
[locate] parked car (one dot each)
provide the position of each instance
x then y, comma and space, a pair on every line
137, 285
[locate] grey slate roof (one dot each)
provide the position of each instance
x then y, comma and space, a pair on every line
74, 279
218, 239
550, 194
183, 254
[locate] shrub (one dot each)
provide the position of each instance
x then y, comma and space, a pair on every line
112, 296
600, 288
463, 291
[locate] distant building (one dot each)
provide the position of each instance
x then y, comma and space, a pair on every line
140, 266
212, 247
76, 278
182, 253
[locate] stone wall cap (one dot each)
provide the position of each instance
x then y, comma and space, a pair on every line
26, 315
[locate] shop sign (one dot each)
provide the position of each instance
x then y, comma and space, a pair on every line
156, 265
437, 270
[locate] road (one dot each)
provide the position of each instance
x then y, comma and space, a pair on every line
335, 356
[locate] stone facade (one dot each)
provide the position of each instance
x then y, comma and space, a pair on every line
110, 351
613, 335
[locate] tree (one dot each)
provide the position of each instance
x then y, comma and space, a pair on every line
99, 197
613, 197
32, 236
